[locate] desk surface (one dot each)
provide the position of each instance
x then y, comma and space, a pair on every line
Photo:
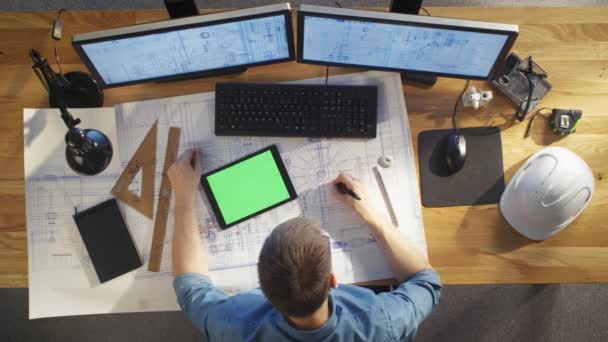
466, 244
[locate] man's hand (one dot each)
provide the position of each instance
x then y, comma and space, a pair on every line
189, 251
363, 207
185, 177
402, 254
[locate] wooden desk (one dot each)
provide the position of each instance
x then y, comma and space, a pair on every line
466, 244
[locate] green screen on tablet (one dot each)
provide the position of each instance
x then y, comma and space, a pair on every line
248, 186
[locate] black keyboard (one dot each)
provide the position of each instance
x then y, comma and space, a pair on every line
295, 110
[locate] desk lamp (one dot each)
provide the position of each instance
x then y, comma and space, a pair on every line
88, 151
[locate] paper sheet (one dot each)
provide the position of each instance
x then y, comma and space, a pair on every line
61, 278
311, 164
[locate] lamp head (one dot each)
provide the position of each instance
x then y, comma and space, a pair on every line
88, 151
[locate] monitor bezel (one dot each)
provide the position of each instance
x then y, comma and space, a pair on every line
77, 44
403, 21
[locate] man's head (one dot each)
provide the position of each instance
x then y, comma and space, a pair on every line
295, 267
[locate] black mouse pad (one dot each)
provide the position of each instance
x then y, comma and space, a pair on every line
481, 179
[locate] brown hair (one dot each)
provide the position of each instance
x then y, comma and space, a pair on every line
294, 267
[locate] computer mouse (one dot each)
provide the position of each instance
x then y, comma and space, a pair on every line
456, 151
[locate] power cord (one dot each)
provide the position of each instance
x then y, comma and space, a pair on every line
466, 86
531, 75
529, 128
56, 35
425, 11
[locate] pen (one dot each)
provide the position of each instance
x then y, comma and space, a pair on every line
346, 191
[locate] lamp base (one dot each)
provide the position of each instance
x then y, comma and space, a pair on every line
92, 157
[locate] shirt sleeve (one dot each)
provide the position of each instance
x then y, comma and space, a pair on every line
197, 296
408, 305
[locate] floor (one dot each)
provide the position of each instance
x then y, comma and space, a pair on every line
559, 312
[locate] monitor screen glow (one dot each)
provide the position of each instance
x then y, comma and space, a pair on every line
399, 46
189, 50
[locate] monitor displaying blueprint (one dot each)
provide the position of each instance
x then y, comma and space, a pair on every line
436, 49
187, 50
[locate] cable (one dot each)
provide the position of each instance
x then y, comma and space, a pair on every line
57, 18
530, 74
529, 128
521, 116
57, 56
425, 11
466, 86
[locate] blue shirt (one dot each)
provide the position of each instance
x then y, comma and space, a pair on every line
357, 314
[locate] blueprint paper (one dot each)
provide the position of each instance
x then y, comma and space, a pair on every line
62, 280
311, 163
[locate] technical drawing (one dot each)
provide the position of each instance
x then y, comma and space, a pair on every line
400, 46
311, 163
190, 50
58, 261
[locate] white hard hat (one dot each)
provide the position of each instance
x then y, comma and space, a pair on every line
547, 193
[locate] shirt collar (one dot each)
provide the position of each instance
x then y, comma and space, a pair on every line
322, 332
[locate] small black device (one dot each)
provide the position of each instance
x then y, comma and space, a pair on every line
248, 187
565, 121
295, 110
88, 151
181, 8
561, 121
456, 151
185, 48
406, 6
107, 240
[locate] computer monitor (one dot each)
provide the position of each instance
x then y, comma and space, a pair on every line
400, 42
188, 47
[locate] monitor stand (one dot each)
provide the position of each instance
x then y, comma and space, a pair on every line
411, 7
419, 78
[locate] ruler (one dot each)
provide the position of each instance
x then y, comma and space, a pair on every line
164, 202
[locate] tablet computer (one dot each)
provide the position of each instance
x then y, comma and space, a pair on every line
248, 187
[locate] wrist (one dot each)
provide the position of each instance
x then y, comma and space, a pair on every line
374, 219
184, 203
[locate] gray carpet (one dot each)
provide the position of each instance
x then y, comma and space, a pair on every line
494, 313
539, 313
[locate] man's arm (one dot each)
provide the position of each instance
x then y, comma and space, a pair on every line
189, 252
403, 256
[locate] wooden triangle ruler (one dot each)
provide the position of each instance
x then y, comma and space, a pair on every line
145, 159
164, 202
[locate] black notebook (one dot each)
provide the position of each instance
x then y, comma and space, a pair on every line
107, 240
